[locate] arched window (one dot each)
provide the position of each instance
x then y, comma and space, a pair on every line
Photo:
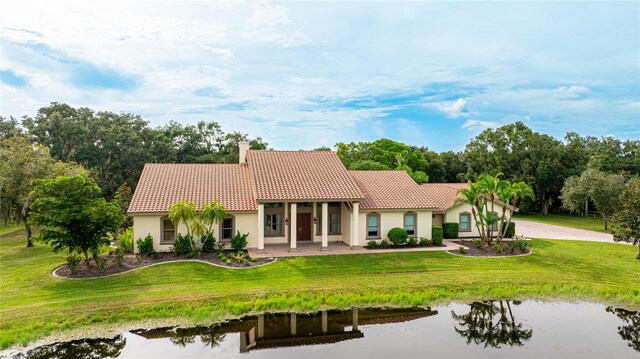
227, 227
169, 231
465, 222
411, 223
373, 225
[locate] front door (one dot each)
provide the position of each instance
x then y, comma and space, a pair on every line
304, 226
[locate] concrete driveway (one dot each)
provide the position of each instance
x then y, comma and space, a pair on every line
541, 230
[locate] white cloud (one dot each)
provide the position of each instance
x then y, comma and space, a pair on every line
572, 92
454, 109
478, 125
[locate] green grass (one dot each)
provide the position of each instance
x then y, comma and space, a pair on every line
34, 304
567, 220
11, 227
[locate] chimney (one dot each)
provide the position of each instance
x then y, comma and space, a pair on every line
243, 147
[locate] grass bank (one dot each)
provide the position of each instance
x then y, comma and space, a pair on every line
34, 304
567, 220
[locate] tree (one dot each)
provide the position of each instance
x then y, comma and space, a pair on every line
596, 186
629, 331
212, 212
625, 223
73, 214
124, 196
182, 211
21, 163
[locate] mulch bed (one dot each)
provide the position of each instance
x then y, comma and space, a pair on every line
405, 247
472, 251
132, 262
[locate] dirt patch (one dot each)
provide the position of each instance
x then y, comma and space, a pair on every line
488, 251
132, 262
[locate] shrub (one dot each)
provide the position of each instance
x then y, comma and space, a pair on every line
478, 243
254, 260
101, 264
73, 261
183, 244
208, 242
372, 244
245, 262
519, 243
195, 252
425, 242
450, 230
413, 242
511, 230
145, 246
221, 246
385, 243
436, 235
497, 247
462, 250
119, 256
125, 240
397, 236
239, 241
228, 261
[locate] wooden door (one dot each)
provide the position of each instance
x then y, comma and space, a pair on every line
304, 226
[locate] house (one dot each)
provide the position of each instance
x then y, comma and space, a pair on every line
291, 197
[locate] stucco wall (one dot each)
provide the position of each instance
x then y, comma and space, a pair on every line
391, 219
453, 215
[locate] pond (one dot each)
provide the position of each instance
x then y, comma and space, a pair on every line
495, 329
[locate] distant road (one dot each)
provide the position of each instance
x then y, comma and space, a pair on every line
542, 230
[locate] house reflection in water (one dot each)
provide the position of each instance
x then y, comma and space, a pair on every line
288, 330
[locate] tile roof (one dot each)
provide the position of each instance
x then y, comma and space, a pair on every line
390, 190
443, 194
300, 175
162, 184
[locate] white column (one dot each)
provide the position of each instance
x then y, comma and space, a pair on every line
325, 225
294, 226
294, 328
260, 227
260, 325
355, 231
314, 213
284, 220
354, 319
325, 321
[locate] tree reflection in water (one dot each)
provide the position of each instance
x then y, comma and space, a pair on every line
630, 331
85, 348
491, 323
211, 336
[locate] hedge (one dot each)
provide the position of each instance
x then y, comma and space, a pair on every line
436, 235
450, 230
397, 236
511, 230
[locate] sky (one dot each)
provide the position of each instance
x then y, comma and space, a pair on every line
308, 74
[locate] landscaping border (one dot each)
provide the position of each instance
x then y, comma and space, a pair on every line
515, 255
53, 273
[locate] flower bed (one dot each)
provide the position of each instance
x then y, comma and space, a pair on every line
133, 262
504, 249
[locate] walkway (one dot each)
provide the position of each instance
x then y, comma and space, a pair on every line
532, 229
335, 248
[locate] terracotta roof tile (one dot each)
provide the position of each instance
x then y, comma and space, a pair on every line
443, 194
300, 175
162, 184
390, 190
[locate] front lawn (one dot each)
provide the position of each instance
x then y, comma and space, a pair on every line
567, 220
34, 304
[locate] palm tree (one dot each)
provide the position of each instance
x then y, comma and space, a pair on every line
471, 196
212, 212
489, 186
182, 211
517, 192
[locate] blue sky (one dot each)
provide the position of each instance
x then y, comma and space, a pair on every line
303, 75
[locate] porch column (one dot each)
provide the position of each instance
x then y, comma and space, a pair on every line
260, 227
294, 227
284, 220
325, 322
294, 328
354, 225
354, 320
325, 225
260, 325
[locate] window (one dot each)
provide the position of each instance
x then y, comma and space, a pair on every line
227, 228
273, 220
410, 223
465, 222
373, 225
495, 225
168, 231
334, 209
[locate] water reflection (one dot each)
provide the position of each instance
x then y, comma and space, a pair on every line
630, 331
492, 324
289, 330
86, 348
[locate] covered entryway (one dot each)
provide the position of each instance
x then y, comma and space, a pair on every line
304, 227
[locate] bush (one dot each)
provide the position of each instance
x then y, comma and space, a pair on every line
101, 264
125, 240
412, 242
385, 243
478, 243
519, 243
497, 247
425, 242
450, 230
145, 246
462, 250
397, 236
239, 241
119, 256
195, 252
182, 245
436, 235
372, 244
73, 261
228, 261
208, 242
511, 230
